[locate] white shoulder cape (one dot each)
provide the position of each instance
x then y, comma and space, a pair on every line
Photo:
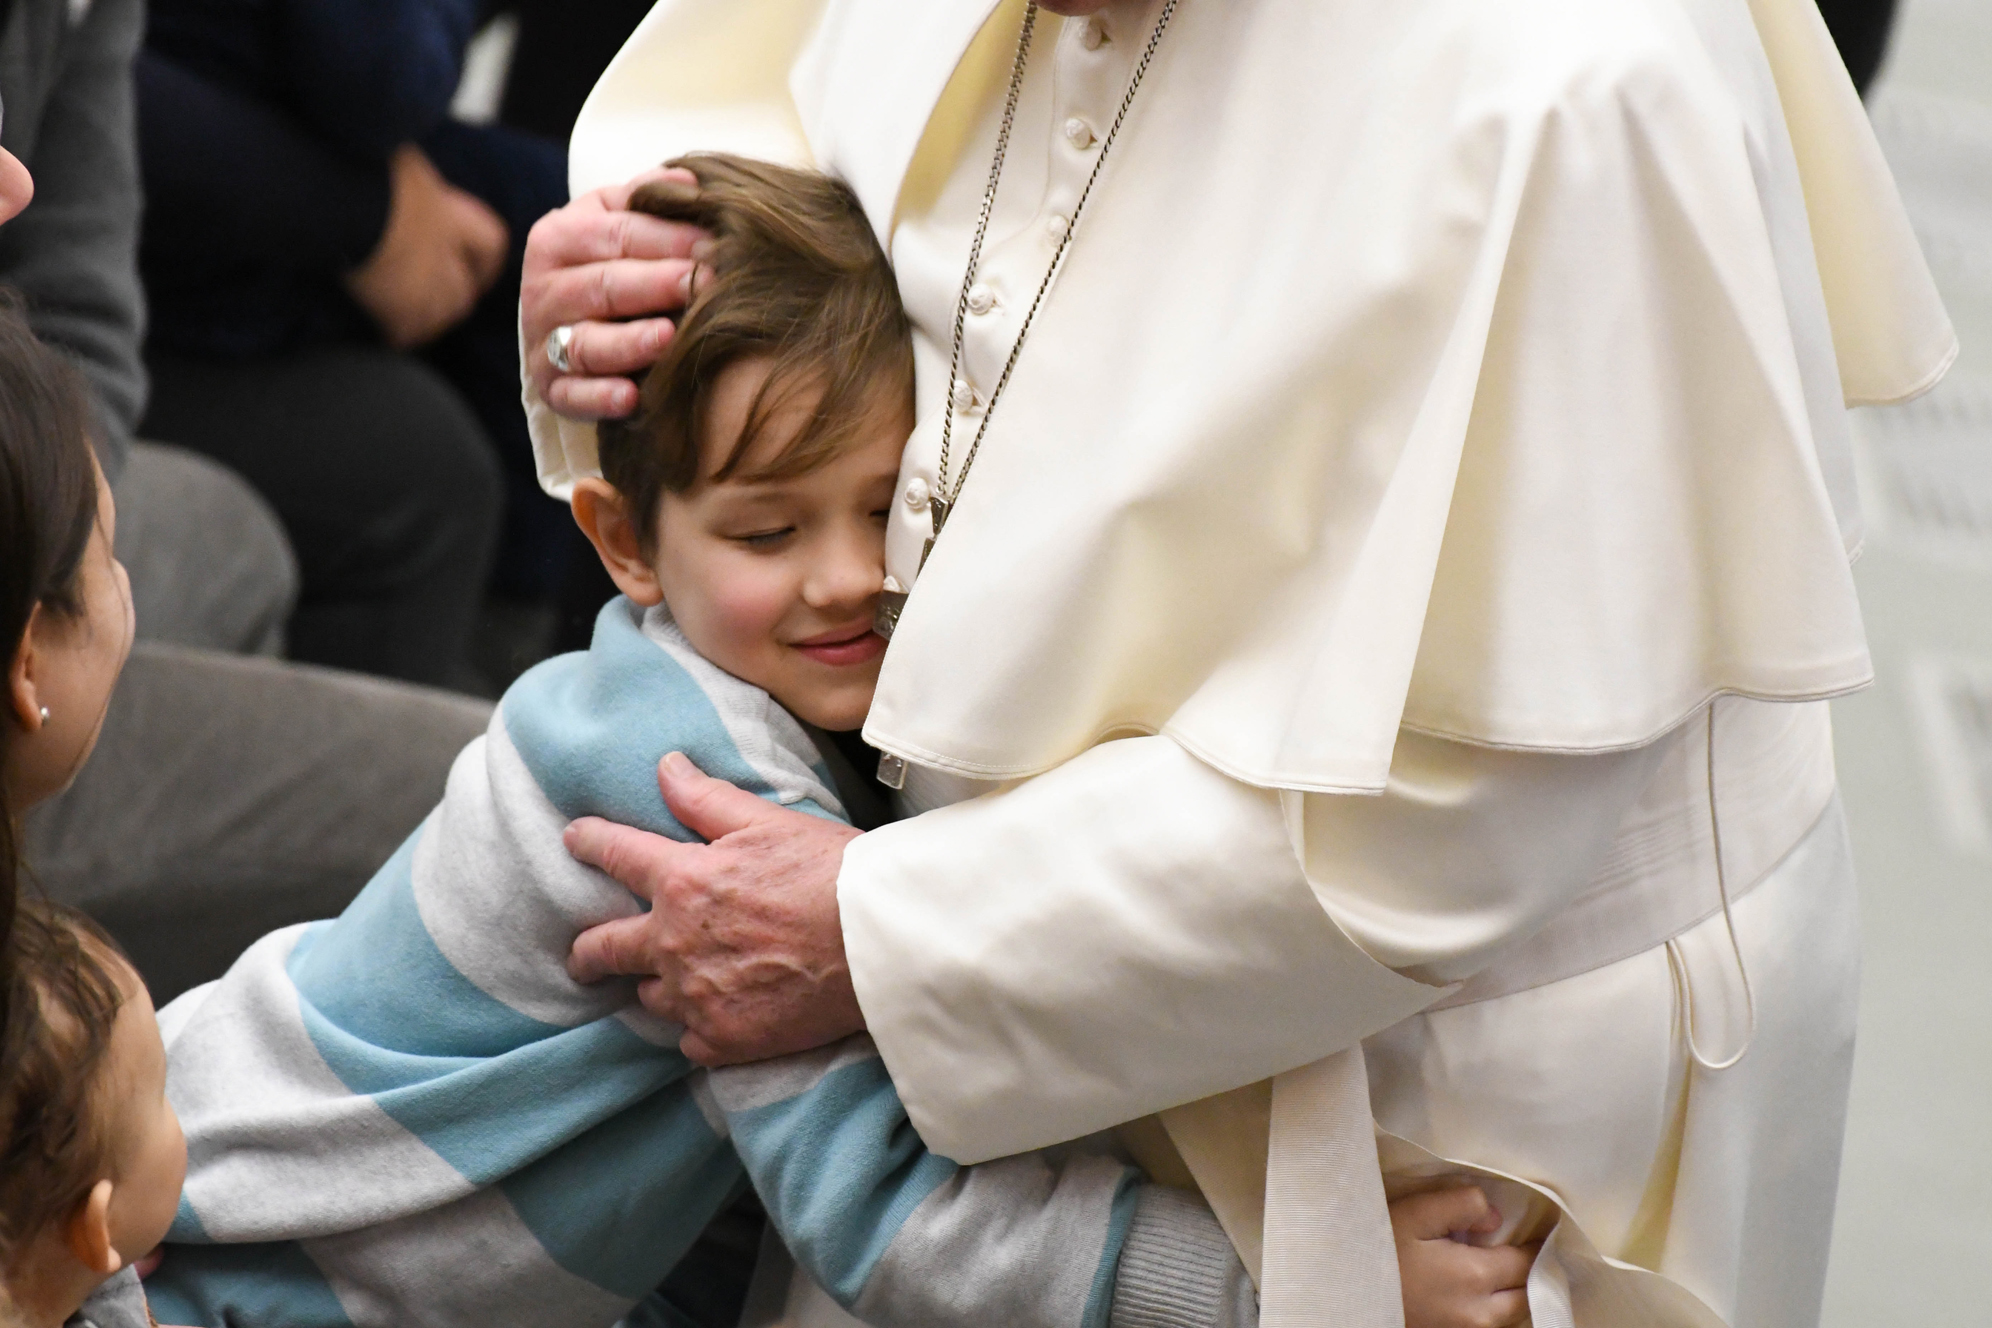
1471, 365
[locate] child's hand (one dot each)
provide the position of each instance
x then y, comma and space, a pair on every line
1447, 1282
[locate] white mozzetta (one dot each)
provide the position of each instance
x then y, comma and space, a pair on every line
1502, 327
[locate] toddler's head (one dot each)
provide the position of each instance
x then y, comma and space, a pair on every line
749, 491
94, 1158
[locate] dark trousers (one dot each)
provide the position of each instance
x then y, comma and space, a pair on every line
385, 483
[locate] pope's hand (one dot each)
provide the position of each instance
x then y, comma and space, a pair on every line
608, 272
742, 944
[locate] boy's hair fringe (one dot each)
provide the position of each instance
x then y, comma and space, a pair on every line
60, 996
795, 274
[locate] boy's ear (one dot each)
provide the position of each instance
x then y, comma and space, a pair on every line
88, 1232
600, 512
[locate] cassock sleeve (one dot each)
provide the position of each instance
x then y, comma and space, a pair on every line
1134, 930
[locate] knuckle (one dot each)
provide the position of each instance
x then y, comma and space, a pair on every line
601, 278
580, 352
606, 855
688, 886
622, 230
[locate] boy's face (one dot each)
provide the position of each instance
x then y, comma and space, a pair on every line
776, 581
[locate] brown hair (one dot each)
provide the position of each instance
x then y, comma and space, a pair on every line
59, 980
795, 275
48, 505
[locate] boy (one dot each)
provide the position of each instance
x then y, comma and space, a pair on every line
412, 1113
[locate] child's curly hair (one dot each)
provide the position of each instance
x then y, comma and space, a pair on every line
59, 1000
795, 275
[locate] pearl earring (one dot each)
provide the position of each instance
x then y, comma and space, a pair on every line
44, 714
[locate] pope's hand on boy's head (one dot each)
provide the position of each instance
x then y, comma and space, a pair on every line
742, 944
606, 272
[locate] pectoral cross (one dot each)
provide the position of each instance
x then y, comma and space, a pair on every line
938, 508
892, 600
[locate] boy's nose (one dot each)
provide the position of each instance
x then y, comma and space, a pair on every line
844, 576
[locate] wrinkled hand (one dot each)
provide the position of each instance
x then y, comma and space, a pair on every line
442, 249
742, 944
1448, 1281
608, 272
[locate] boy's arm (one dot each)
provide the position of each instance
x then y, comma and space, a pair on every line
905, 1238
1178, 1268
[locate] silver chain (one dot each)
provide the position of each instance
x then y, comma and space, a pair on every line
943, 500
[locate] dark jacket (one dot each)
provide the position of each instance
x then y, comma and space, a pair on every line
265, 129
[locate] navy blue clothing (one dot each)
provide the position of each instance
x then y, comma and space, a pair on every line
265, 131
250, 220
266, 128
364, 76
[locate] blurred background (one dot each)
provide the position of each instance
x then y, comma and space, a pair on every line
1914, 1225
337, 195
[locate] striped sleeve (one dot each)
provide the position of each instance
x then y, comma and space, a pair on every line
411, 1113
905, 1238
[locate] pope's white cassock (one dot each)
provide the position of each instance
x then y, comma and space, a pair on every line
1392, 607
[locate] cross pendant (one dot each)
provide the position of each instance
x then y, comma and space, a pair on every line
937, 508
885, 618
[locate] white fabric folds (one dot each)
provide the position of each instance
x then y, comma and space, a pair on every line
1473, 367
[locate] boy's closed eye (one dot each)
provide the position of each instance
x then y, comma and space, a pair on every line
764, 539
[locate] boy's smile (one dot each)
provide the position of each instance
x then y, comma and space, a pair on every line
845, 646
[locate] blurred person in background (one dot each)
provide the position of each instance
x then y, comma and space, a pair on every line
1860, 29
65, 87
561, 50
333, 265
228, 794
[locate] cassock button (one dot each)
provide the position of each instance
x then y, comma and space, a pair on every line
917, 495
963, 398
1093, 35
1078, 133
980, 299
1057, 223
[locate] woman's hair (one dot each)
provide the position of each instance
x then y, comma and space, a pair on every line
796, 276
48, 505
59, 978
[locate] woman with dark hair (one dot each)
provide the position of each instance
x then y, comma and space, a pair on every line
65, 603
50, 487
